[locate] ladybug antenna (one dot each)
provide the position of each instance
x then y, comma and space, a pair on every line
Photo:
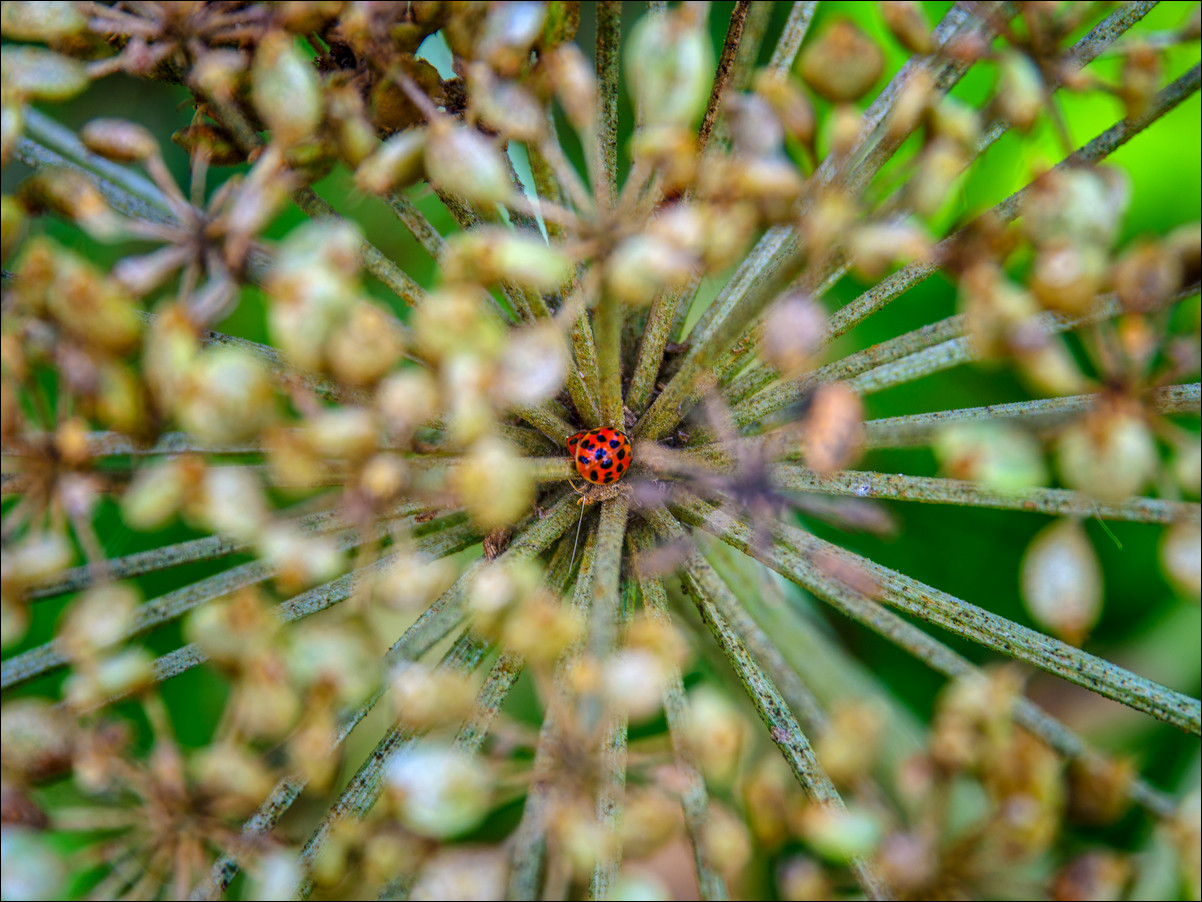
576, 544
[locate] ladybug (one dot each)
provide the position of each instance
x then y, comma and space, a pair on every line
602, 455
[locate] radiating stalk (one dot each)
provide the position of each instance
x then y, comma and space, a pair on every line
609, 43
416, 641
529, 844
799, 567
791, 37
150, 614
1100, 147
694, 800
988, 629
929, 490
705, 588
919, 428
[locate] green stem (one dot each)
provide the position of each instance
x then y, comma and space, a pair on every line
1058, 502
713, 599
798, 566
694, 800
993, 632
919, 428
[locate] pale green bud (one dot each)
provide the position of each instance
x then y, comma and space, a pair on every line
438, 792
98, 619
1061, 581
498, 254
840, 835
464, 162
843, 63
397, 163
1020, 92
38, 74
286, 89
228, 397
997, 455
116, 139
1110, 455
670, 64
43, 21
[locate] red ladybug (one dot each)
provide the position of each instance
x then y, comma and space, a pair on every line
602, 455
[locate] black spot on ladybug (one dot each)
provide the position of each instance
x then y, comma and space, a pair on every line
586, 444
621, 454
613, 443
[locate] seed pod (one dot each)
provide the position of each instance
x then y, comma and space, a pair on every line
1181, 558
228, 397
411, 583
958, 122
454, 321
438, 792
286, 89
508, 32
463, 162
215, 143
941, 164
219, 73
754, 126
994, 454
643, 266
234, 777
395, 164
908, 24
571, 77
670, 64
12, 225
832, 428
1020, 91
506, 106
12, 123
347, 433
840, 835
407, 400
1061, 581
792, 107
71, 195
118, 140
1146, 277
41, 22
116, 676
794, 329
1082, 205
843, 63
878, 246
717, 734
492, 482
1142, 70
533, 366
913, 101
493, 253
39, 739
1109, 454
32, 73
366, 347
1067, 277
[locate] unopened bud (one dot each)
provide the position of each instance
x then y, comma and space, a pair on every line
670, 64
395, 164
34, 73
118, 140
464, 162
843, 63
1062, 581
287, 90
